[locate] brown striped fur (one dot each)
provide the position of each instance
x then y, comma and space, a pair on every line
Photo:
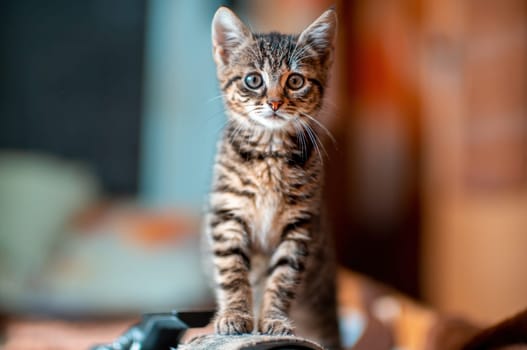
273, 263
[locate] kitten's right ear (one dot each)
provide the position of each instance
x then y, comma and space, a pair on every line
320, 35
228, 32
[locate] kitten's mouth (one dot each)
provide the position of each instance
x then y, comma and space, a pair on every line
272, 120
276, 116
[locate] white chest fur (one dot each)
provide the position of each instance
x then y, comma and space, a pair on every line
268, 206
266, 218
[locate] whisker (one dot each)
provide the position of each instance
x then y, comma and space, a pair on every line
300, 137
222, 127
299, 55
215, 114
213, 118
333, 140
315, 140
291, 57
301, 58
235, 133
216, 97
299, 52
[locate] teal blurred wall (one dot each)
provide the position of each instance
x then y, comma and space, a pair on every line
181, 115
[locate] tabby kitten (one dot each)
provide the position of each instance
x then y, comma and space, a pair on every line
273, 264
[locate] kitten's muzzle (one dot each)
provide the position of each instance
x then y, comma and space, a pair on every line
275, 103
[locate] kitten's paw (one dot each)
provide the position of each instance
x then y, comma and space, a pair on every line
230, 323
276, 326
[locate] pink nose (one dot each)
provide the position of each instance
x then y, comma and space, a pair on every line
275, 104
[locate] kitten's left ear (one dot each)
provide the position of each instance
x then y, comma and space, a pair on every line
321, 34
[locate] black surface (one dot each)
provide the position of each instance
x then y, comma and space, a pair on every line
195, 319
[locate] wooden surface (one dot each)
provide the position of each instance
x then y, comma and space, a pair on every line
30, 334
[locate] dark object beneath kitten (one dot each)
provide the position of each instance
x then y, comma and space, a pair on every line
160, 331
163, 331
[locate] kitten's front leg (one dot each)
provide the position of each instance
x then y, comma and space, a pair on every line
285, 273
230, 248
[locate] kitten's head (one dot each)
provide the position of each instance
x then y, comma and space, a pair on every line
272, 80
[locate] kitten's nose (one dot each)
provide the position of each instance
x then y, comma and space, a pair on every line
275, 103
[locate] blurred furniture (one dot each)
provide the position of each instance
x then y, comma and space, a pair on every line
473, 78
373, 181
428, 188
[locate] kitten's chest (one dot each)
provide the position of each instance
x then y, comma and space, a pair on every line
269, 206
271, 176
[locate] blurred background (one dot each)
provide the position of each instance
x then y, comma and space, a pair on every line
110, 111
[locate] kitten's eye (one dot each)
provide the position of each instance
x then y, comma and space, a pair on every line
295, 81
253, 80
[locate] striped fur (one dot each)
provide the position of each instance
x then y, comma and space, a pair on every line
273, 263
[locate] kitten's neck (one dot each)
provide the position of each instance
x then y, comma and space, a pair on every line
260, 142
261, 138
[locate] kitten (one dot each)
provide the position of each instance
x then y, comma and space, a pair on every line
273, 264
